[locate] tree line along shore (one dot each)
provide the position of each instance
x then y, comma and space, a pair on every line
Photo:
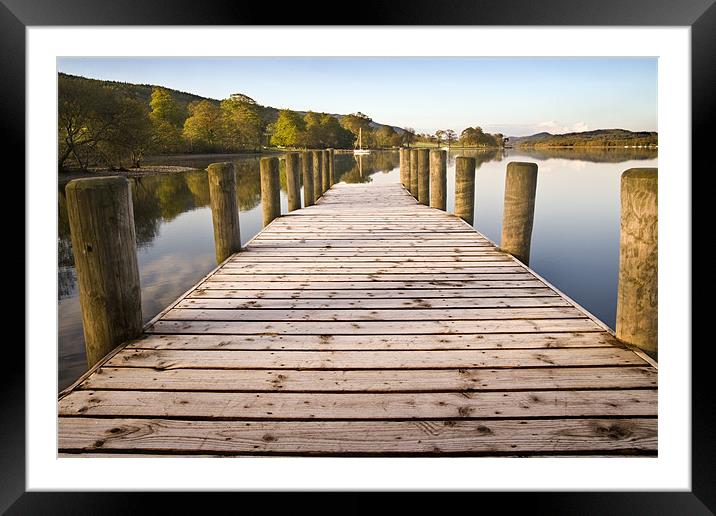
112, 126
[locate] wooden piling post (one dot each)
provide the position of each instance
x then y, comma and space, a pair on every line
307, 174
465, 188
331, 164
270, 190
224, 209
438, 179
293, 182
105, 253
414, 172
405, 167
637, 300
519, 209
325, 169
317, 175
424, 176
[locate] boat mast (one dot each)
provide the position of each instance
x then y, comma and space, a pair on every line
360, 138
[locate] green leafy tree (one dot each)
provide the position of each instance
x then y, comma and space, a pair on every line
289, 129
439, 136
85, 120
243, 124
167, 119
129, 135
203, 129
385, 136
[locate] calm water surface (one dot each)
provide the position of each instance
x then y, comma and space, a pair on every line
575, 241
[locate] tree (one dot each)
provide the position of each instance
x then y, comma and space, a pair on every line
167, 119
450, 136
385, 136
243, 124
439, 136
289, 129
359, 124
333, 134
203, 130
314, 132
85, 119
408, 135
129, 135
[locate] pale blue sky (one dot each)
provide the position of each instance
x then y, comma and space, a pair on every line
515, 96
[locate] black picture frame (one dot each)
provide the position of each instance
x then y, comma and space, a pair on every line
700, 15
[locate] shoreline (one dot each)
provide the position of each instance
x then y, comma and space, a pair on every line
149, 170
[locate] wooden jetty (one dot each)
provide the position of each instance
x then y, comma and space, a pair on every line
367, 324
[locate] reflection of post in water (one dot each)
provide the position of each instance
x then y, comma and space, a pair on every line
359, 157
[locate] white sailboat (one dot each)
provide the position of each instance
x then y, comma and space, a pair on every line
360, 149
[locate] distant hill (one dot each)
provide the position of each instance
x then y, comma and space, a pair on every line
597, 138
143, 92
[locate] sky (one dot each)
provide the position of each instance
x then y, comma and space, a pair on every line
513, 96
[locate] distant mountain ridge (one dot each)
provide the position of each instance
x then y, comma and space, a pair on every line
143, 92
598, 137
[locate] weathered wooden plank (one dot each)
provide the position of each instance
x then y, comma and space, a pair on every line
384, 406
593, 339
228, 275
373, 304
329, 262
373, 327
404, 253
356, 294
366, 243
386, 359
375, 314
363, 285
364, 437
371, 380
370, 269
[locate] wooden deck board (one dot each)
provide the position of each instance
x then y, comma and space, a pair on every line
368, 325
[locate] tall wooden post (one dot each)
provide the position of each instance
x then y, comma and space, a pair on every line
438, 179
317, 175
105, 252
519, 209
325, 172
270, 190
307, 174
414, 172
224, 209
637, 299
424, 176
465, 188
331, 164
293, 182
405, 167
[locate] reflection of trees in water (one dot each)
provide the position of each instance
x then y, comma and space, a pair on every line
594, 155
248, 184
481, 155
357, 169
157, 199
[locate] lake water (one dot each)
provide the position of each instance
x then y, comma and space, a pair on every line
575, 241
